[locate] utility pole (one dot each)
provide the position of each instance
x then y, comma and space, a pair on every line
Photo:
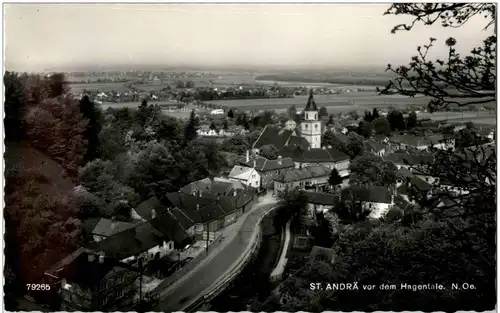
208, 235
141, 272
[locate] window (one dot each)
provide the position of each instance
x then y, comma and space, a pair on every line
316, 126
306, 126
170, 245
120, 279
120, 293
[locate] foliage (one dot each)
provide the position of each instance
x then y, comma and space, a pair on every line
93, 114
292, 112
411, 121
460, 81
269, 152
370, 169
212, 126
230, 113
56, 126
396, 120
355, 145
323, 112
368, 117
335, 179
365, 129
14, 106
382, 126
191, 127
375, 114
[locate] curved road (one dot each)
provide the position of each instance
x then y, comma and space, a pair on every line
213, 269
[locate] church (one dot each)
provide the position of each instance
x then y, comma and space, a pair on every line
305, 150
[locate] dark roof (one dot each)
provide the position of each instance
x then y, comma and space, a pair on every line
203, 184
171, 227
320, 198
404, 173
273, 136
145, 208
374, 194
411, 159
196, 209
326, 254
130, 242
317, 155
107, 227
374, 145
297, 141
420, 184
311, 104
76, 268
264, 165
417, 141
303, 173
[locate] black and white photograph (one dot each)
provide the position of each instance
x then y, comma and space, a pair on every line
261, 157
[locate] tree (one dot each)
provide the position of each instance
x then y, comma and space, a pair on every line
190, 130
212, 126
292, 112
329, 139
269, 152
382, 126
353, 114
335, 179
412, 120
14, 106
365, 129
330, 120
375, 114
111, 142
93, 114
368, 117
459, 81
355, 145
322, 112
230, 113
396, 120
189, 84
370, 169
225, 125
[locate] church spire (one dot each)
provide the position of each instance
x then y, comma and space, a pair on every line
311, 104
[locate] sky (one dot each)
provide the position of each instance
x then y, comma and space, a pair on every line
42, 36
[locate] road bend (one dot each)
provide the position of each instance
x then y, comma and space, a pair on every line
216, 266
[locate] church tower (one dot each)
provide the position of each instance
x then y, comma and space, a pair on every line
311, 126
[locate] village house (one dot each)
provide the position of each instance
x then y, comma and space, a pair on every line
248, 176
321, 254
320, 201
305, 150
206, 213
290, 125
405, 142
106, 227
409, 160
302, 178
376, 147
89, 281
150, 240
377, 200
267, 169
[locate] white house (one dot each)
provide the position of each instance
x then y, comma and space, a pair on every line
377, 200
246, 175
217, 112
290, 125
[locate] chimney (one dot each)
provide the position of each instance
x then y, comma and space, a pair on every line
91, 257
153, 213
248, 156
234, 193
101, 256
280, 160
254, 163
197, 207
113, 222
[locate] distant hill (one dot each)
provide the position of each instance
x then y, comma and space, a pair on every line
359, 79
